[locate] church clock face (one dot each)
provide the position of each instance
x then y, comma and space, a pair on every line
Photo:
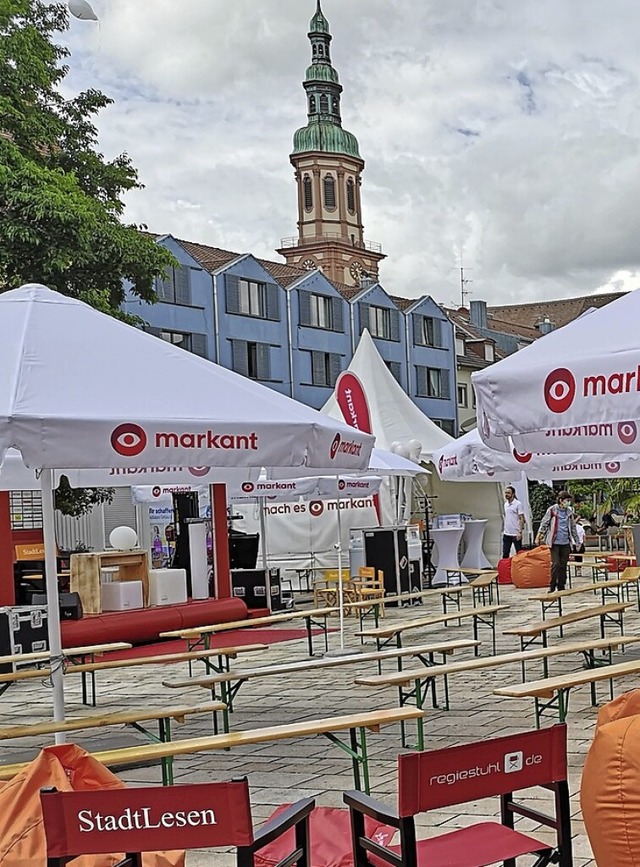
356, 270
309, 265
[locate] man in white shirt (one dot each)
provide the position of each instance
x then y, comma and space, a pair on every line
513, 523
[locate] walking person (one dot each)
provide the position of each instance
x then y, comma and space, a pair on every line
513, 523
558, 531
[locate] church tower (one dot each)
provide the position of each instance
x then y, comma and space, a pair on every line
328, 169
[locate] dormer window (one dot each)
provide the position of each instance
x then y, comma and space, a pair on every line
324, 104
329, 192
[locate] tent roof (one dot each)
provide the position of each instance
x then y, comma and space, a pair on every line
394, 416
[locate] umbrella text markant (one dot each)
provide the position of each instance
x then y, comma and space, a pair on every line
575, 390
82, 390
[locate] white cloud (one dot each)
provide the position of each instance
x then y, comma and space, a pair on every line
504, 132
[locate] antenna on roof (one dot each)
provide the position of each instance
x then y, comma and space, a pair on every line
464, 282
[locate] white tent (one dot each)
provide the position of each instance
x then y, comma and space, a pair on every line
77, 390
573, 390
396, 420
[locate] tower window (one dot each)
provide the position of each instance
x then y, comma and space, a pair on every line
351, 196
315, 49
335, 105
324, 104
308, 193
312, 104
329, 192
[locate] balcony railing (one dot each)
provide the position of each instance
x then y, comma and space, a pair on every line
372, 246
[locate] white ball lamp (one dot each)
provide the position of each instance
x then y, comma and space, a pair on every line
123, 538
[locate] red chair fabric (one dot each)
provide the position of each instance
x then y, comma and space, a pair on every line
504, 571
330, 833
482, 844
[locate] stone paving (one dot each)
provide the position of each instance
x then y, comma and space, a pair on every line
283, 771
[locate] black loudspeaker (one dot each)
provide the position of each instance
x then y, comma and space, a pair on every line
387, 549
70, 605
243, 550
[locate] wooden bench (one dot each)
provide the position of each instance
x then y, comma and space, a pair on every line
413, 684
231, 682
552, 693
486, 616
617, 588
530, 635
223, 654
202, 634
356, 724
133, 718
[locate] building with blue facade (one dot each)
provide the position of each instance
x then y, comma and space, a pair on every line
295, 325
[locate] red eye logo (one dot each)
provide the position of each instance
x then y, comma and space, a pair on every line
440, 463
199, 471
522, 458
156, 491
316, 508
128, 440
248, 487
335, 445
342, 485
612, 467
559, 390
627, 432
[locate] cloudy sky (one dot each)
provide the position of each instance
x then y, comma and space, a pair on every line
501, 134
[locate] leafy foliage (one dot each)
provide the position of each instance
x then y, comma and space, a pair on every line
76, 502
61, 200
540, 498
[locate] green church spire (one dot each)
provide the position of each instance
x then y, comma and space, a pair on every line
324, 130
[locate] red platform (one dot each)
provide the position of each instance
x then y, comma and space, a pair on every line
145, 625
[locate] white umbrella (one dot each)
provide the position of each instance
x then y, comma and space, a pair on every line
381, 463
575, 390
77, 392
469, 458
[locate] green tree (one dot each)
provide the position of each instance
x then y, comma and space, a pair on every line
76, 502
60, 200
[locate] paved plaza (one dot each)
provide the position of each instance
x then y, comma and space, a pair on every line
283, 771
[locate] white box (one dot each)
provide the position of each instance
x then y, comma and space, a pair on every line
121, 595
167, 586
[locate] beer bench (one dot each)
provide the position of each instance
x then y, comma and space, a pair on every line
618, 588
530, 635
485, 616
356, 724
414, 683
223, 654
134, 718
231, 682
197, 635
552, 693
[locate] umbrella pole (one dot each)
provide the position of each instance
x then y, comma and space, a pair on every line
265, 563
340, 587
53, 607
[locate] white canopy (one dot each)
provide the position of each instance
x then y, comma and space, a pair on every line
469, 458
381, 463
575, 390
80, 389
83, 390
393, 415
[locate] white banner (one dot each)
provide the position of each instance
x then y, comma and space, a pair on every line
163, 494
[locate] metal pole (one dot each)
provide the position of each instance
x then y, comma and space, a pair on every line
265, 564
340, 588
53, 606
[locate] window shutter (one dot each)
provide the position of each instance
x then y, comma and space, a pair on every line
263, 351
337, 320
421, 375
445, 390
335, 367
240, 360
164, 287
364, 317
304, 303
199, 345
272, 292
120, 512
394, 332
437, 332
182, 277
151, 329
232, 290
418, 330
318, 374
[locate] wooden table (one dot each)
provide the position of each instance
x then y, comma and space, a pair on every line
86, 579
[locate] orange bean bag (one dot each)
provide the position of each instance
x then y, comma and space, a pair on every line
531, 568
610, 791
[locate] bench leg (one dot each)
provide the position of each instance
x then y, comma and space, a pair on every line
559, 702
167, 762
357, 750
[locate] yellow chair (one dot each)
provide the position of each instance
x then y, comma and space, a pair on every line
327, 592
370, 586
